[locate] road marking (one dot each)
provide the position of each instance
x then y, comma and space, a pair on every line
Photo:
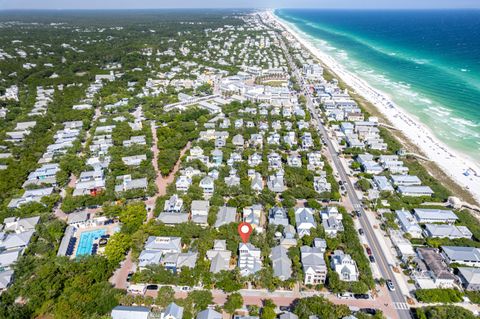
401, 305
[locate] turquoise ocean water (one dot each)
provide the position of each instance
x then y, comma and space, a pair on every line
428, 62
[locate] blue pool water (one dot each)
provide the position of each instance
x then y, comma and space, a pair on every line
86, 241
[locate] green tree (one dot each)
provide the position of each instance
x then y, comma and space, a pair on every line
234, 302
117, 247
165, 296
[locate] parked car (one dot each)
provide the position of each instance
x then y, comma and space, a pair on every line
390, 285
361, 296
372, 259
345, 295
360, 231
152, 287
369, 251
370, 311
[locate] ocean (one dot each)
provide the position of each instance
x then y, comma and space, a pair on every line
427, 62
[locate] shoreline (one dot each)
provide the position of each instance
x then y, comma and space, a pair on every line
452, 164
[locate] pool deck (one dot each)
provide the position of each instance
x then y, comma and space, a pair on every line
109, 230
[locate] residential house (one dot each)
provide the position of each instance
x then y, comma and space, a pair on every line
130, 312
173, 211
208, 185
294, 160
431, 270
281, 263
209, 314
225, 216
257, 182
135, 140
219, 257
217, 157
134, 160
415, 191
408, 223
321, 184
200, 210
405, 180
313, 264
344, 266
469, 256
89, 183
173, 311
382, 184
30, 196
278, 216
183, 183
332, 221
249, 259
253, 216
254, 160
275, 183
127, 183
424, 215
470, 278
233, 179
176, 261
304, 221
447, 231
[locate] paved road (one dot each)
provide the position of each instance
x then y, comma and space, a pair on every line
398, 299
287, 298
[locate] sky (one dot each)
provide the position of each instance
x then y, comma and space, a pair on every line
328, 4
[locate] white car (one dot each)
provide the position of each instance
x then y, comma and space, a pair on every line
390, 285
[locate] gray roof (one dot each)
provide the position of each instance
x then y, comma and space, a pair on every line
174, 310
434, 214
149, 257
382, 183
22, 224
470, 275
220, 261
200, 205
5, 278
78, 217
9, 257
415, 190
282, 265
288, 315
209, 314
304, 215
225, 215
15, 240
312, 257
69, 231
467, 254
278, 216
173, 218
130, 312
170, 244
446, 230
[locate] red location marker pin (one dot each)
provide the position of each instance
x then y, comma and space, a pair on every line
245, 230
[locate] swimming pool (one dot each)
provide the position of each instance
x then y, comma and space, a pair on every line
86, 241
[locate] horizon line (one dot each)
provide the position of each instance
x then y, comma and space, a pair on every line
243, 8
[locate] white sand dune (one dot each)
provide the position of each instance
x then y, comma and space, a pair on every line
458, 166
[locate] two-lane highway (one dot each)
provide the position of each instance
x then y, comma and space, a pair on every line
398, 299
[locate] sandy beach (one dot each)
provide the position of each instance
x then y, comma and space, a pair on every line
459, 167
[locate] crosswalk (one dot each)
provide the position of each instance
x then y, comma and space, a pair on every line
400, 305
